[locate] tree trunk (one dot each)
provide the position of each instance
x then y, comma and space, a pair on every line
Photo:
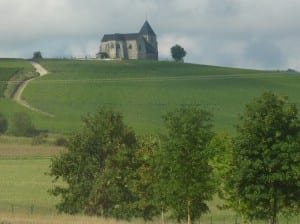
275, 208
189, 213
162, 216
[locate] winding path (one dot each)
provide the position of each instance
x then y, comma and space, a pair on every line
18, 95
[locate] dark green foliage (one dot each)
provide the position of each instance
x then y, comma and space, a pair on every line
3, 123
37, 56
266, 160
22, 125
178, 52
61, 141
186, 180
101, 170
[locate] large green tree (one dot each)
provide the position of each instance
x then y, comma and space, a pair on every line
265, 174
107, 169
186, 183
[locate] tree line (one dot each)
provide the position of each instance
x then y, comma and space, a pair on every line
109, 171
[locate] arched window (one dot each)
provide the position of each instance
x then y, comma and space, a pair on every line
130, 46
118, 46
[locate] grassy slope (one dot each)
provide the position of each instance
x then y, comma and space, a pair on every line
22, 179
144, 91
10, 67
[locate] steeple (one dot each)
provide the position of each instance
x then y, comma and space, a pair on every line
147, 30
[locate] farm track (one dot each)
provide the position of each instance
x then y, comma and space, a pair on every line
18, 95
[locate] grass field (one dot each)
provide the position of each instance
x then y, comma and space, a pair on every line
24, 197
144, 91
10, 68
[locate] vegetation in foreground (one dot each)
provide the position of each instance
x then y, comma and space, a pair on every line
107, 175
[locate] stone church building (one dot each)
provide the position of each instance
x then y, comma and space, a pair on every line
138, 46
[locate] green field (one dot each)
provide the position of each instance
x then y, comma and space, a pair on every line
9, 68
144, 91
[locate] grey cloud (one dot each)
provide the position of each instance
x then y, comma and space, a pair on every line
264, 54
226, 32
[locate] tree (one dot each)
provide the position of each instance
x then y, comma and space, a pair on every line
178, 52
37, 56
22, 125
102, 170
266, 160
3, 123
186, 180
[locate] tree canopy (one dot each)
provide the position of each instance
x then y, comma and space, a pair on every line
178, 52
186, 182
266, 159
100, 168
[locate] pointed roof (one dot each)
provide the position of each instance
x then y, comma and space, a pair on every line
147, 29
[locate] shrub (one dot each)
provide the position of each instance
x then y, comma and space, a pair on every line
61, 141
22, 125
39, 139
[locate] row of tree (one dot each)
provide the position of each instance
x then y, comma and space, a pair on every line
111, 172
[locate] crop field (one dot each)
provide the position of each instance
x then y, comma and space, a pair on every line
145, 91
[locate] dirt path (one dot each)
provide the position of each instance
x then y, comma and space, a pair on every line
18, 95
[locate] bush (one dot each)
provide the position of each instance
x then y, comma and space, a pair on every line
61, 141
3, 123
39, 139
22, 125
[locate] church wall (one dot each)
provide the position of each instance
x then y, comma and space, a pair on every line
132, 49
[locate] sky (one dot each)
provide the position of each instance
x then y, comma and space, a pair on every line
262, 34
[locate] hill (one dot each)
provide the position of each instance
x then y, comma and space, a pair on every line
143, 91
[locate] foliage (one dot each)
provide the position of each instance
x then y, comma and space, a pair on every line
22, 125
221, 146
186, 181
61, 141
100, 169
37, 56
3, 123
178, 52
266, 160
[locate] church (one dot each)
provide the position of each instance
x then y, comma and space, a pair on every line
136, 46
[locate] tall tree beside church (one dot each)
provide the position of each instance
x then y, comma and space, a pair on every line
265, 171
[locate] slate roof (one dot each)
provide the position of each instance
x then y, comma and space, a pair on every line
120, 37
147, 29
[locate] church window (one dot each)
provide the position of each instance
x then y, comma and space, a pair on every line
118, 46
130, 46
112, 45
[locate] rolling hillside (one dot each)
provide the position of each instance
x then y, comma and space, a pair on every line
144, 91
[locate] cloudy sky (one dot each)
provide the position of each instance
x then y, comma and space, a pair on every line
240, 33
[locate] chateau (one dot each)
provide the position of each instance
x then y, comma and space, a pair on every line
142, 45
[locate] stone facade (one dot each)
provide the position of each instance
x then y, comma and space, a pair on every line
137, 46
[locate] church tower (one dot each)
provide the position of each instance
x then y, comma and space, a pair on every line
150, 37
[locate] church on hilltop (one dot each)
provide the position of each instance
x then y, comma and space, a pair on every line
138, 46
